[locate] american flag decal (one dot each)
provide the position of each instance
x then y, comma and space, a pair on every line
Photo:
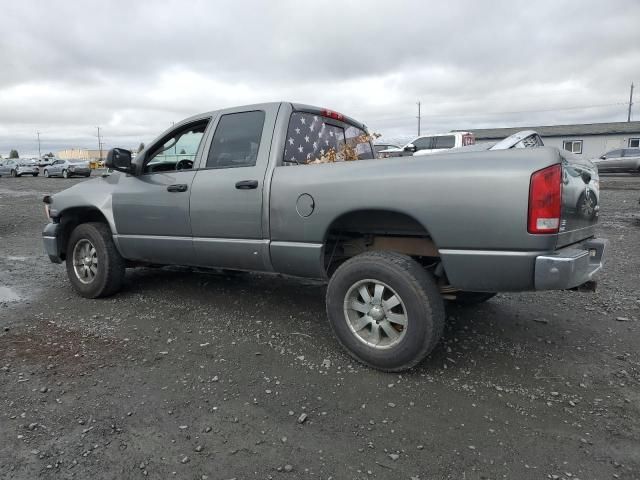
309, 137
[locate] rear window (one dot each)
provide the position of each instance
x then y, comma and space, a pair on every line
312, 138
236, 140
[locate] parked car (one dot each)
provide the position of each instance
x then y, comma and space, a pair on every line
68, 168
384, 146
262, 188
45, 161
18, 167
622, 160
430, 144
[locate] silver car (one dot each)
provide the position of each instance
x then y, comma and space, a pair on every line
17, 168
622, 160
68, 168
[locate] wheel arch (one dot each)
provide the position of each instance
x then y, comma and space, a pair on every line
71, 217
360, 230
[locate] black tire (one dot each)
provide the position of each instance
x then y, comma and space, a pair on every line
14, 173
111, 266
35, 174
422, 302
87, 175
46, 173
65, 174
472, 298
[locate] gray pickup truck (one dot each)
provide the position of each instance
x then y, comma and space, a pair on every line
297, 190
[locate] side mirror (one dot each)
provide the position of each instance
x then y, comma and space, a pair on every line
603, 157
119, 159
410, 148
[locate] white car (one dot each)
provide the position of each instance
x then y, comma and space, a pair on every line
430, 144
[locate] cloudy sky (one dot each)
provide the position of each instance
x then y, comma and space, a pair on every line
133, 67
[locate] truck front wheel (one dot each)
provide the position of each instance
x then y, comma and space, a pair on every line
94, 265
385, 310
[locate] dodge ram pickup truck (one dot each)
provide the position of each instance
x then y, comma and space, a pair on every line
297, 190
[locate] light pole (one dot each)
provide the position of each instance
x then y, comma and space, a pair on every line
99, 145
39, 152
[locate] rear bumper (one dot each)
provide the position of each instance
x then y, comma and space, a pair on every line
50, 239
571, 266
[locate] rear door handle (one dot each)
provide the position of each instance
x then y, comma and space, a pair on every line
178, 187
247, 184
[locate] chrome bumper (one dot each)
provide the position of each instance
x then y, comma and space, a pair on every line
50, 239
571, 266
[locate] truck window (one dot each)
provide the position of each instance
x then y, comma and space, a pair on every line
178, 152
236, 141
423, 143
312, 138
446, 141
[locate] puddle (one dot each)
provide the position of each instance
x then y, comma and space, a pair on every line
8, 295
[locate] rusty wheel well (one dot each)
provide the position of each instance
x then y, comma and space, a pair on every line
370, 230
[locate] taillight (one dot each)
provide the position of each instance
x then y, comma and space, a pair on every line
332, 114
545, 200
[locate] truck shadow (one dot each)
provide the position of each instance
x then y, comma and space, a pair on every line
492, 334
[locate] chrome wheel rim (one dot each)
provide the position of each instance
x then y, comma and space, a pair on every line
85, 261
375, 314
588, 205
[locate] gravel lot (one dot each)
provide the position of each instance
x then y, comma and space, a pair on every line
211, 375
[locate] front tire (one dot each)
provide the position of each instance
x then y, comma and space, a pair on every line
35, 174
65, 174
385, 309
46, 173
14, 173
94, 266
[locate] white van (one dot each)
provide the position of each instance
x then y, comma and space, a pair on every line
430, 144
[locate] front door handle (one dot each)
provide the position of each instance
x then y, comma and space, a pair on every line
247, 184
178, 187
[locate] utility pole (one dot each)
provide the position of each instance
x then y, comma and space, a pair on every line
39, 152
418, 117
630, 103
99, 144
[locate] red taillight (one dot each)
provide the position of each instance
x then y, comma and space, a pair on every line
332, 114
545, 200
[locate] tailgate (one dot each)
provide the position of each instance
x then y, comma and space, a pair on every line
580, 199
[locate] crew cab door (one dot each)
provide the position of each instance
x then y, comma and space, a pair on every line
227, 193
151, 210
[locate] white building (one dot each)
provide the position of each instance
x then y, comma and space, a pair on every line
590, 140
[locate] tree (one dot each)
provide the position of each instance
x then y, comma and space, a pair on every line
14, 154
140, 147
49, 155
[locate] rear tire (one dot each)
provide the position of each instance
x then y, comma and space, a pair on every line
91, 244
14, 173
46, 173
35, 174
472, 298
65, 174
412, 298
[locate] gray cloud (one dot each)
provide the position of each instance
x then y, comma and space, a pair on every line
134, 67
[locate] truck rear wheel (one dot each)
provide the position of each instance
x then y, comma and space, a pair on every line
94, 265
385, 309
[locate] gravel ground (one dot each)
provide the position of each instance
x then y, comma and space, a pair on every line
205, 375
